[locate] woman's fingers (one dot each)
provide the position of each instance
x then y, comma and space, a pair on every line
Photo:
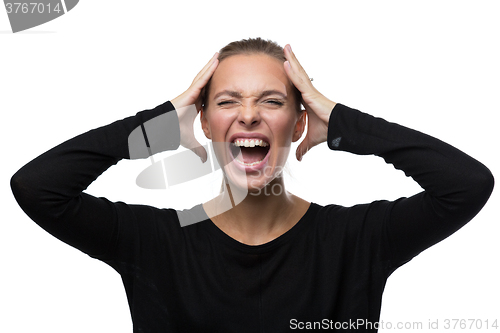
294, 61
207, 71
317, 132
202, 79
188, 105
317, 106
207, 65
192, 95
186, 116
302, 148
200, 151
296, 72
189, 141
317, 102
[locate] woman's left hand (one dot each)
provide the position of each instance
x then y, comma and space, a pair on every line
317, 106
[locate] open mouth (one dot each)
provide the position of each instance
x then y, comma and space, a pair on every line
253, 151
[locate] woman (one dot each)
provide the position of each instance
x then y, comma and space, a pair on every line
253, 259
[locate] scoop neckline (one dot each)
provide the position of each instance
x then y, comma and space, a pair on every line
254, 249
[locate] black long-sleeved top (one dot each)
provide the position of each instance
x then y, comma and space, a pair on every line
330, 268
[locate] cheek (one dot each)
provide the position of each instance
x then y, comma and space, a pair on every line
218, 124
283, 127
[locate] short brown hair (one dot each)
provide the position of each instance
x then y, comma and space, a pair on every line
253, 46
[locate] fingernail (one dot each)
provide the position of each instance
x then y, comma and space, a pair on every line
289, 48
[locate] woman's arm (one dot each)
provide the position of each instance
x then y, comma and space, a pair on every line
49, 188
456, 185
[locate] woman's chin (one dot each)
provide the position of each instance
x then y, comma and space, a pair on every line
249, 184
244, 183
253, 180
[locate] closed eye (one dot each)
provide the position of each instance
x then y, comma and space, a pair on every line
225, 102
275, 102
272, 102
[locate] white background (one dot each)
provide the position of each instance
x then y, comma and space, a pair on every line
429, 65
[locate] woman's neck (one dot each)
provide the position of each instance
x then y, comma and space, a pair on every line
257, 217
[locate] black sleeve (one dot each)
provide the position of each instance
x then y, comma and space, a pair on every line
456, 186
50, 188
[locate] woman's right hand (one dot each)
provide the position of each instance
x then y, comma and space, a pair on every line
188, 105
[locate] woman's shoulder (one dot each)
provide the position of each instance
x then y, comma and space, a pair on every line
353, 218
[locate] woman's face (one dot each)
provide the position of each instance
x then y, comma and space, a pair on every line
251, 118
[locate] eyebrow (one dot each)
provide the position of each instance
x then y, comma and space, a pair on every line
237, 94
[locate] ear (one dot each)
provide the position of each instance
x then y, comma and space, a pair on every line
300, 126
204, 124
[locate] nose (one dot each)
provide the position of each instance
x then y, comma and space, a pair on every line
249, 115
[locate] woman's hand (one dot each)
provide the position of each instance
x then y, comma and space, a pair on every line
188, 105
318, 107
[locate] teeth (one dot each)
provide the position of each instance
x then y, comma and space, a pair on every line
250, 143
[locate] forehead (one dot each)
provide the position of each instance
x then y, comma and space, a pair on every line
250, 74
